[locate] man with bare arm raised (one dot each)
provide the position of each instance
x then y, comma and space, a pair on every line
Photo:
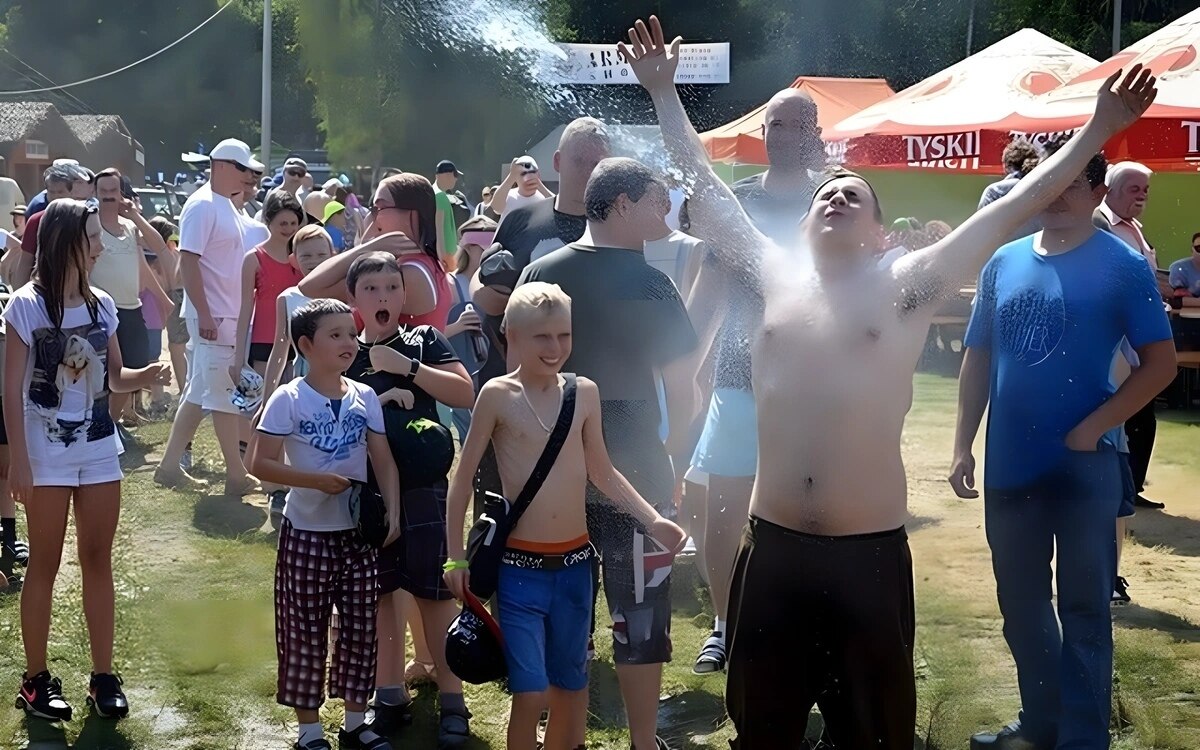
821, 607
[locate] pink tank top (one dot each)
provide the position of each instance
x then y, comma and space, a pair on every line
269, 282
441, 310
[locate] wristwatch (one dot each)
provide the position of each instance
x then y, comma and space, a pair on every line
412, 371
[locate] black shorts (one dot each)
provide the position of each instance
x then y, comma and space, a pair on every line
133, 338
414, 561
824, 620
177, 332
258, 353
637, 571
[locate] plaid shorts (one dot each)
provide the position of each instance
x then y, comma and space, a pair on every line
314, 571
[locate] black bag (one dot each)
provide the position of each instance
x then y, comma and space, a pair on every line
369, 513
489, 535
475, 646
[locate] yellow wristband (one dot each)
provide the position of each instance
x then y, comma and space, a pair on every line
450, 565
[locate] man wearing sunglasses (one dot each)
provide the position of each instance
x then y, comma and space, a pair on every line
213, 239
1185, 280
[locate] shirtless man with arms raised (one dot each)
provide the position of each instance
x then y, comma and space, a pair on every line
821, 607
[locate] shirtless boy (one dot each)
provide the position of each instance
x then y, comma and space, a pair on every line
822, 597
544, 609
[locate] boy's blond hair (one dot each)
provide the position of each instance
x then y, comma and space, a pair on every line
534, 299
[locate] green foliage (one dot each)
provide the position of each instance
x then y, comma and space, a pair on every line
397, 82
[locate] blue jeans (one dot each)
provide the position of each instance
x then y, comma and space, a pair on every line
1065, 677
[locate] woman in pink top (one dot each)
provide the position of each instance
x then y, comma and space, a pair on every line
266, 272
401, 222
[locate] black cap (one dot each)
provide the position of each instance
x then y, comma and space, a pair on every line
446, 166
474, 650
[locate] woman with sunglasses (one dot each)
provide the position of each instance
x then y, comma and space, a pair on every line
401, 222
62, 361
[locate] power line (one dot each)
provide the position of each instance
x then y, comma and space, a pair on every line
127, 67
68, 96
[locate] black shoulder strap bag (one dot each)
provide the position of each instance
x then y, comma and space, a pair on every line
489, 535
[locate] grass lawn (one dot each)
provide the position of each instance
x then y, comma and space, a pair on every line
195, 639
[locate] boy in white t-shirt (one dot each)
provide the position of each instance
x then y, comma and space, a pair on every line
328, 425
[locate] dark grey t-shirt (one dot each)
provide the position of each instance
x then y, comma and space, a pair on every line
627, 320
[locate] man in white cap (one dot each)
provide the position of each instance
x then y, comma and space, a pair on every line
212, 240
522, 186
1128, 184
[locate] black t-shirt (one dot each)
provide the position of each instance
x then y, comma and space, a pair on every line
775, 216
627, 320
422, 447
423, 343
526, 234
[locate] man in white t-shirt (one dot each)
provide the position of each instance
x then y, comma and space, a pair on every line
522, 186
122, 271
212, 242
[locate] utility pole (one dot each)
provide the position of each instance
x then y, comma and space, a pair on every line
1116, 26
971, 28
266, 87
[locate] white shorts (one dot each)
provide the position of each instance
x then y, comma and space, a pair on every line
71, 474
208, 384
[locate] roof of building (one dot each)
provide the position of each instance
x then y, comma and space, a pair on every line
89, 128
17, 119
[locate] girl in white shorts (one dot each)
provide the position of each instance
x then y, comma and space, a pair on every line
62, 362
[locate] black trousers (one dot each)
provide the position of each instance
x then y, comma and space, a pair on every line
827, 621
1141, 429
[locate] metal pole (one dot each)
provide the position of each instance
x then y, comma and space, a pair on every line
266, 87
1116, 47
971, 28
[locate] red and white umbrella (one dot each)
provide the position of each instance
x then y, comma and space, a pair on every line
1167, 138
942, 123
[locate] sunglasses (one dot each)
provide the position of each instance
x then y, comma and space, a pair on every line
296, 172
242, 167
376, 210
1196, 248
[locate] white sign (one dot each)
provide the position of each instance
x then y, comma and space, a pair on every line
602, 63
951, 151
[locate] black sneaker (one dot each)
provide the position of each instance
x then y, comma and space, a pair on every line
1142, 502
1120, 593
41, 696
386, 719
319, 744
352, 740
105, 696
712, 655
1008, 738
18, 553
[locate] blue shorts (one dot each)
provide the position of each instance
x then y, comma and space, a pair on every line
1128, 489
729, 445
545, 617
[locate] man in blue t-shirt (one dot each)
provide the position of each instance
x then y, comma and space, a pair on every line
1050, 314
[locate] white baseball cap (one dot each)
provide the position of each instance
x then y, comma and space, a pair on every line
231, 149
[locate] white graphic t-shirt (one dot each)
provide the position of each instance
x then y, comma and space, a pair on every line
325, 437
66, 377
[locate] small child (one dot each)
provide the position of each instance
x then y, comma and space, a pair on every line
328, 425
309, 247
411, 369
545, 586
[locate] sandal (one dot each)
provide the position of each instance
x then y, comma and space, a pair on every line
352, 740
712, 655
454, 730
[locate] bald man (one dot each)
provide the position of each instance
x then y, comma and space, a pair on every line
777, 199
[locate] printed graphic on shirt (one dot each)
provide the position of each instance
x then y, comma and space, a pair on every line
69, 386
323, 433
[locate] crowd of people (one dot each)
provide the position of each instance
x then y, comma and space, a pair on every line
623, 380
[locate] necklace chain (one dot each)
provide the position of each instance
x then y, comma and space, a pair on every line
525, 395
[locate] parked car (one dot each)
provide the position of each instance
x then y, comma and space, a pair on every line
160, 202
